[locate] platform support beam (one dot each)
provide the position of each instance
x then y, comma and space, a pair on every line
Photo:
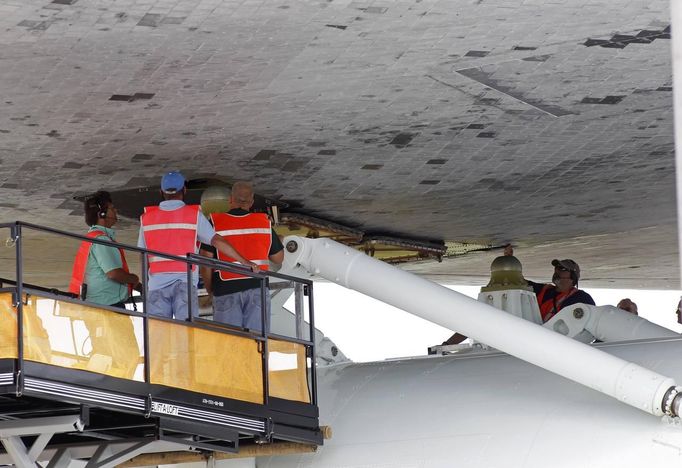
39, 445
105, 457
62, 459
17, 450
12, 431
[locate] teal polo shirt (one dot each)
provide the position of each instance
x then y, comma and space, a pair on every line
103, 259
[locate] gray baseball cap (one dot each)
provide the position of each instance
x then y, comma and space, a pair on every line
568, 265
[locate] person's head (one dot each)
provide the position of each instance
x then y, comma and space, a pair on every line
566, 274
100, 210
173, 186
679, 312
242, 195
627, 305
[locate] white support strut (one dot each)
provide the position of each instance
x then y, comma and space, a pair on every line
625, 381
605, 323
11, 432
676, 25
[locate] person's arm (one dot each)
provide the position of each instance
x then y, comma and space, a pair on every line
536, 286
277, 258
276, 253
140, 238
207, 272
207, 235
225, 247
109, 260
120, 276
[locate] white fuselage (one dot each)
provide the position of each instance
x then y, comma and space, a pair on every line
487, 409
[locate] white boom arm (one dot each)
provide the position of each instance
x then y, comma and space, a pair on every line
605, 323
625, 381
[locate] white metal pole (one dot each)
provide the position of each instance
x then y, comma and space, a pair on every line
675, 25
625, 381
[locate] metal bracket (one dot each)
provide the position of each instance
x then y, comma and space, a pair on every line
19, 383
15, 299
11, 241
148, 406
85, 415
269, 430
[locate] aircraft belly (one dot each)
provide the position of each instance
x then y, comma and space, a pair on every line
487, 410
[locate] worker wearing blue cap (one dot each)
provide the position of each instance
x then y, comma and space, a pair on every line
175, 228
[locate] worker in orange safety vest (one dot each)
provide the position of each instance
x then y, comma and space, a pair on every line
237, 298
176, 229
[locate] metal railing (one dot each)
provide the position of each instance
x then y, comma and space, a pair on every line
302, 288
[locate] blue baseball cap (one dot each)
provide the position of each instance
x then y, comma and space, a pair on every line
173, 182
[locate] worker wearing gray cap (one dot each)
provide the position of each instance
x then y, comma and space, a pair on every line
563, 291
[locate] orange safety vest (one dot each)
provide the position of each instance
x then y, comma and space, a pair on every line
173, 232
249, 234
549, 307
80, 263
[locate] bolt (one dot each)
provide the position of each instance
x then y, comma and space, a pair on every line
292, 246
578, 313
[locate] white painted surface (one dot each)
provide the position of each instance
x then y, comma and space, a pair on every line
486, 410
517, 302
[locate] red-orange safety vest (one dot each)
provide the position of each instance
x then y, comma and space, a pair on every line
249, 234
170, 231
80, 263
549, 307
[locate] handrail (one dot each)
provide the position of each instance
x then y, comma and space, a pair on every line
54, 291
215, 262
235, 268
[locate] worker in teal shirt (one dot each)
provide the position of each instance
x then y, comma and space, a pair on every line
102, 267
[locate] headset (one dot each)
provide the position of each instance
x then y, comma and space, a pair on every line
102, 211
102, 208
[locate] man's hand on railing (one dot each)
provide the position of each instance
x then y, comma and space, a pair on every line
252, 265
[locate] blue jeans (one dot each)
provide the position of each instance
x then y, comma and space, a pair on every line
242, 309
171, 301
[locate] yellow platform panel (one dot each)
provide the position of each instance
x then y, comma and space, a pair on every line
288, 371
218, 364
84, 337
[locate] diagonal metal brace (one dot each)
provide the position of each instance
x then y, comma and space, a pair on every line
12, 431
103, 457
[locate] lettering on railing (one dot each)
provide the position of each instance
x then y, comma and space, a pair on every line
164, 408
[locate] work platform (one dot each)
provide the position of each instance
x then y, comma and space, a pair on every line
96, 385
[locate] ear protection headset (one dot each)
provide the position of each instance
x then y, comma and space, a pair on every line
101, 211
96, 200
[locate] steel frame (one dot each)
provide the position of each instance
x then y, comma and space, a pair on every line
28, 381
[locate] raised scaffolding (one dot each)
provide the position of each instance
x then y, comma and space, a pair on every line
87, 384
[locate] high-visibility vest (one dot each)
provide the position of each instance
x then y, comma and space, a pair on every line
249, 234
549, 307
170, 231
80, 263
